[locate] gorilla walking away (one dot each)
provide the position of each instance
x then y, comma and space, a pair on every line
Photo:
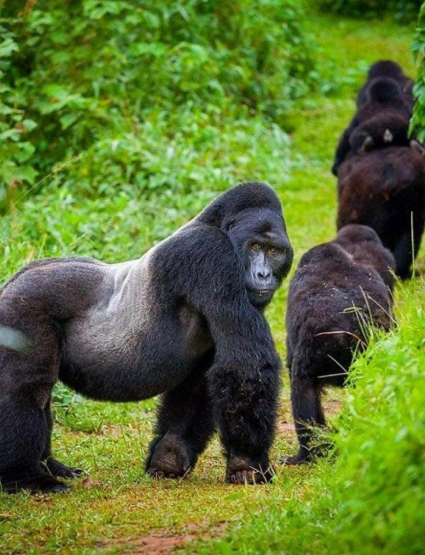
384, 109
185, 321
339, 290
385, 190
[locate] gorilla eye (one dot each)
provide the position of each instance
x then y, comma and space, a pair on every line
256, 247
274, 251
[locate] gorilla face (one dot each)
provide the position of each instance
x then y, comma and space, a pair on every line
259, 236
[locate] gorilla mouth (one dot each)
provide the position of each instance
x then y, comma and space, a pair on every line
262, 293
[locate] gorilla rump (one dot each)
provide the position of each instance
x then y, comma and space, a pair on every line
384, 109
340, 288
185, 321
386, 191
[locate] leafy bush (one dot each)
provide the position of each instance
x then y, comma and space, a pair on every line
147, 187
15, 126
68, 88
418, 48
402, 10
382, 483
200, 152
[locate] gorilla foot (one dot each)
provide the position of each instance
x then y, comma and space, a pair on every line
295, 460
56, 468
169, 458
310, 454
244, 470
41, 483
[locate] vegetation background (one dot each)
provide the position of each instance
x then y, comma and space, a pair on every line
119, 121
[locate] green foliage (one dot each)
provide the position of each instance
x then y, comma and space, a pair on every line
15, 127
175, 179
401, 10
383, 445
121, 65
202, 149
418, 48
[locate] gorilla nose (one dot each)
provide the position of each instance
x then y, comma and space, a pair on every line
263, 273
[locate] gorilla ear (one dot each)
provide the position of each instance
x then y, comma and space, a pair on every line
367, 144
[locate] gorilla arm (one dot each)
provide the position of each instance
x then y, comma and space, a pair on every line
343, 147
244, 377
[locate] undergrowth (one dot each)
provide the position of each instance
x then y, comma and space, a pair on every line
129, 76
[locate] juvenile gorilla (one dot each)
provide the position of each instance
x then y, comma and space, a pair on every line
386, 191
384, 129
384, 109
339, 289
185, 320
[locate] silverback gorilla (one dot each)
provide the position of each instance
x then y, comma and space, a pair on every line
338, 290
384, 109
185, 321
385, 190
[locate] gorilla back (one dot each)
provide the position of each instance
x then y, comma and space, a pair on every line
185, 321
339, 290
386, 191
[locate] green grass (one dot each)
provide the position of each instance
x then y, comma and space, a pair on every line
116, 508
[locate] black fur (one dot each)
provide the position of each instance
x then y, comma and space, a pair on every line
384, 129
385, 190
340, 288
185, 321
391, 70
384, 109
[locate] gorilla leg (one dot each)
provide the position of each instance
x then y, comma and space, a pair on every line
52, 465
184, 426
26, 382
307, 412
24, 435
403, 255
245, 408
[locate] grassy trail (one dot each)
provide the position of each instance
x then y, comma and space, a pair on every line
119, 510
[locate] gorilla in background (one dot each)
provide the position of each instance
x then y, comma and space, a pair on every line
384, 129
185, 321
339, 290
386, 191
387, 69
384, 109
